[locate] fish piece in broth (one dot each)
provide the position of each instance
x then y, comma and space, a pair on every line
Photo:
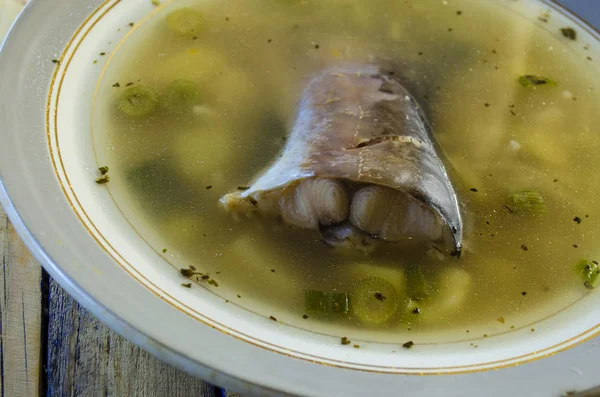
361, 158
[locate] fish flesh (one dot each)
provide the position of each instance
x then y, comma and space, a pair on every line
361, 159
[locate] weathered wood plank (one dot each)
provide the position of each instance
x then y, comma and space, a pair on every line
20, 316
85, 358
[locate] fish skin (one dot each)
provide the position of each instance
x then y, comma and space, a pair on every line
358, 124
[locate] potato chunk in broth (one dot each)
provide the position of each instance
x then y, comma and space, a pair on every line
203, 96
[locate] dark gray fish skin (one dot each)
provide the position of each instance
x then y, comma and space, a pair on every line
359, 125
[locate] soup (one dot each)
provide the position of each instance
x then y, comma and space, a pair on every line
203, 96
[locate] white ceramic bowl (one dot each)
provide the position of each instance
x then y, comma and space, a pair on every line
47, 169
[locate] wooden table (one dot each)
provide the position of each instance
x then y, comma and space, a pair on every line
50, 345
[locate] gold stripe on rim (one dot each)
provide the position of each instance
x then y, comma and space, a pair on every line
80, 212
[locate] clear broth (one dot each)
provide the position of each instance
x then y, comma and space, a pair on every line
252, 59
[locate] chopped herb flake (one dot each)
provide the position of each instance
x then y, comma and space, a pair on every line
164, 250
103, 53
243, 188
116, 85
379, 296
103, 170
530, 80
524, 293
356, 346
56, 61
155, 2
209, 187
213, 282
188, 285
408, 344
577, 220
272, 318
569, 33
524, 247
187, 272
474, 190
103, 180
589, 271
305, 316
345, 341
500, 320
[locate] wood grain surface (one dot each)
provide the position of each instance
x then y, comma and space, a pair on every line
21, 316
88, 359
51, 346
